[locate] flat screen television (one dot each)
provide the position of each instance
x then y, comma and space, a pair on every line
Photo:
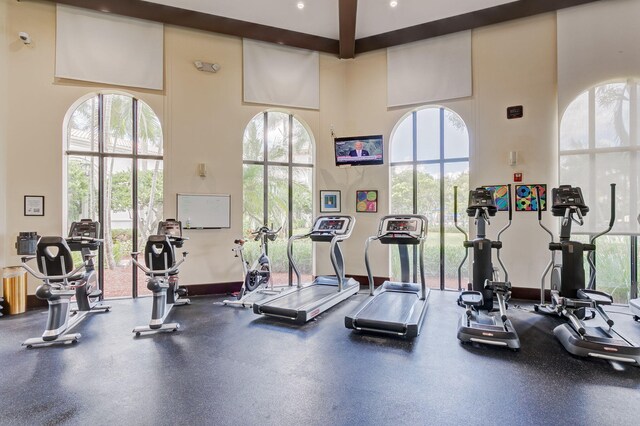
359, 150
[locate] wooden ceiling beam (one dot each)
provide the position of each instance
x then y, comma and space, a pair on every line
347, 11
347, 46
489, 16
203, 21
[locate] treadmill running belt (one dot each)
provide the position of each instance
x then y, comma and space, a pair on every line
298, 299
389, 310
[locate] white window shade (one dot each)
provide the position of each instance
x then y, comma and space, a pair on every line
106, 48
280, 75
431, 70
600, 145
597, 42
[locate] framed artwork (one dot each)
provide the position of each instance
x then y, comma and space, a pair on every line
329, 201
34, 205
501, 196
367, 201
527, 200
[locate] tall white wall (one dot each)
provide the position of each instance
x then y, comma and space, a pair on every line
203, 119
4, 103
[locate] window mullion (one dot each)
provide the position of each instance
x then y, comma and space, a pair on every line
134, 192
101, 215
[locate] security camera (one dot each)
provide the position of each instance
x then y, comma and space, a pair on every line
25, 37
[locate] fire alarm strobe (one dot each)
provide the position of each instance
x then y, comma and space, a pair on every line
517, 177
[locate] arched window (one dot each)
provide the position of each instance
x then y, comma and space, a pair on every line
114, 174
600, 145
429, 156
278, 187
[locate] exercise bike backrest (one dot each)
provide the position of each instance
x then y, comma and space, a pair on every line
54, 256
55, 263
159, 254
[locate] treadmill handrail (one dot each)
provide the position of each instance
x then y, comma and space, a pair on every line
334, 261
366, 261
290, 254
421, 239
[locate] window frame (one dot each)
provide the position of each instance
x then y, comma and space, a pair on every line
441, 161
101, 154
592, 151
289, 164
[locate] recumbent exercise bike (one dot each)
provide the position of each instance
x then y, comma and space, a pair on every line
62, 281
161, 269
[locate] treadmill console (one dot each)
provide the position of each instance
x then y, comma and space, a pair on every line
402, 229
326, 227
85, 228
481, 198
567, 196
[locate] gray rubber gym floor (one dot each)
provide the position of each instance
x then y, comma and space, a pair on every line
228, 366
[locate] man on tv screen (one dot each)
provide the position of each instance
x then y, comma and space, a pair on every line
358, 151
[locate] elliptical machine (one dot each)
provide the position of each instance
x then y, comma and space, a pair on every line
161, 270
570, 298
62, 281
479, 324
257, 278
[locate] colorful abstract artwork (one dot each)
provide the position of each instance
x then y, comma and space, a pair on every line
527, 199
367, 201
500, 195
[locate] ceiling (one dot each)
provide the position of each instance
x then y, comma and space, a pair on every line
320, 17
342, 27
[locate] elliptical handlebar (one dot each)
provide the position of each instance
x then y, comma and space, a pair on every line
592, 241
466, 236
499, 246
510, 212
612, 218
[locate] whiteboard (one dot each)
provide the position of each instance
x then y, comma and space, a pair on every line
204, 211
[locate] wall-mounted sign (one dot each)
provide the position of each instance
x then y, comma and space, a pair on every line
515, 112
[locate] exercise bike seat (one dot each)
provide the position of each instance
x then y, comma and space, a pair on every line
470, 298
598, 297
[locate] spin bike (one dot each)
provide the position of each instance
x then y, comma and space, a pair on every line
62, 282
161, 269
479, 324
257, 278
570, 298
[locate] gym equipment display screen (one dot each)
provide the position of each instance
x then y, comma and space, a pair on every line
401, 226
331, 225
359, 150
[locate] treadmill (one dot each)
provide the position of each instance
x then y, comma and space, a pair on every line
308, 301
396, 308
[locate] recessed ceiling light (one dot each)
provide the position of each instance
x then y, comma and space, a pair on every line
300, 5
393, 3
